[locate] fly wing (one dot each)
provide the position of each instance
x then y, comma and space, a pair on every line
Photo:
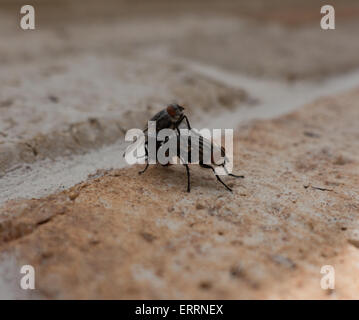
203, 145
218, 156
201, 148
162, 121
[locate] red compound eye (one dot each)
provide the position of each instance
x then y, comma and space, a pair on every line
171, 111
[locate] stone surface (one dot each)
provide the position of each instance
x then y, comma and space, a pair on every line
122, 235
94, 103
71, 88
72, 85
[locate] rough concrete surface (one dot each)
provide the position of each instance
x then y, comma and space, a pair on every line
93, 228
128, 236
72, 85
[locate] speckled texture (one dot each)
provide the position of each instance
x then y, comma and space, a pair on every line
86, 75
71, 88
84, 104
128, 236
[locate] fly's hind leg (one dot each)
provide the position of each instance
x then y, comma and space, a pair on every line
218, 178
230, 174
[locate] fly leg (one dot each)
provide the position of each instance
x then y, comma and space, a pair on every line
187, 169
147, 164
218, 178
180, 121
230, 174
143, 171
166, 154
185, 162
188, 125
188, 178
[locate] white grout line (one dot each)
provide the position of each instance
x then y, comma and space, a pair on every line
48, 176
275, 98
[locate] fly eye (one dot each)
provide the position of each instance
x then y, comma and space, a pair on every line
171, 111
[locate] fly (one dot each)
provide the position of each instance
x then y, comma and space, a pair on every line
171, 118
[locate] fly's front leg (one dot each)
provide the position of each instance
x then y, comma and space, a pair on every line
180, 120
184, 162
188, 125
143, 171
147, 164
188, 178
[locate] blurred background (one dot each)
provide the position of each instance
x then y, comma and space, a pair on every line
93, 69
269, 38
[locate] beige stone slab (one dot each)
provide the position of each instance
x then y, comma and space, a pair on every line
128, 236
